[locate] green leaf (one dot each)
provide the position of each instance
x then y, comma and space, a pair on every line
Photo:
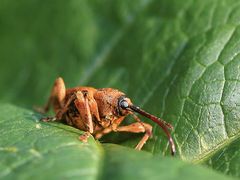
33, 149
123, 163
227, 159
177, 59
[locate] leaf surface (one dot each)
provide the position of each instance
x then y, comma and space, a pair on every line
32, 149
177, 59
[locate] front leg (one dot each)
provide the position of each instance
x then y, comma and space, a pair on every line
81, 103
85, 121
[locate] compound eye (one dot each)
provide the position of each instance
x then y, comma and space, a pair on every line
124, 104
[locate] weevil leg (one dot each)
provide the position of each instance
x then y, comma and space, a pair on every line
138, 127
48, 119
148, 130
63, 110
84, 137
92, 105
60, 113
98, 135
56, 98
107, 130
82, 105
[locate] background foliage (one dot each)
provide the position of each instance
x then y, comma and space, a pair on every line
177, 59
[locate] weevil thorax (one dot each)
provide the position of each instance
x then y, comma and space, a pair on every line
108, 103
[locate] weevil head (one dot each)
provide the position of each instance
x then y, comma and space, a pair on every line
113, 104
123, 105
110, 102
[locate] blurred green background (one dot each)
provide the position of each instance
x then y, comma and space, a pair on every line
177, 59
41, 40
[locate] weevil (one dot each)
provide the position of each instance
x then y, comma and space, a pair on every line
99, 112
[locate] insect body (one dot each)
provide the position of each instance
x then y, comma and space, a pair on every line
99, 112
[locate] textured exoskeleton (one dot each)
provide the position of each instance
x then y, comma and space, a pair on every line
99, 111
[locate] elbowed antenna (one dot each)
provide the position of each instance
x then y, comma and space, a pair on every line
163, 124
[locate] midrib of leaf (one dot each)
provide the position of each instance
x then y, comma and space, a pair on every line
205, 156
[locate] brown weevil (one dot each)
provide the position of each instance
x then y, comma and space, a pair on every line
99, 112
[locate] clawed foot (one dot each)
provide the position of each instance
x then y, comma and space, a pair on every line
139, 146
48, 119
84, 137
98, 135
